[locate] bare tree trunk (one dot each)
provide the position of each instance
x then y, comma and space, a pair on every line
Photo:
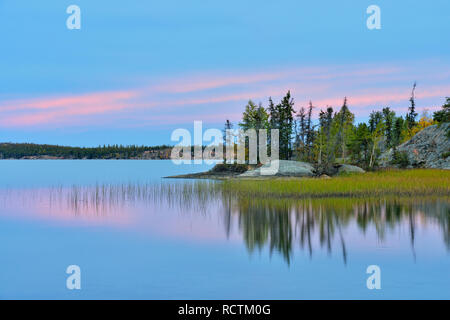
319, 161
372, 155
343, 149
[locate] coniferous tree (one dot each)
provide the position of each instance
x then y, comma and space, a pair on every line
274, 120
228, 126
412, 114
443, 115
330, 142
344, 124
284, 121
309, 132
325, 142
375, 118
255, 117
300, 133
321, 136
388, 118
376, 129
397, 132
274, 117
360, 144
301, 119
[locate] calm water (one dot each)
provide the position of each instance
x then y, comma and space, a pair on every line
138, 236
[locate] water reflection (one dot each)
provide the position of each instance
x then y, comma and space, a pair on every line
279, 225
323, 223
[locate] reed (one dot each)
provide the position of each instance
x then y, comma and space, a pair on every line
413, 182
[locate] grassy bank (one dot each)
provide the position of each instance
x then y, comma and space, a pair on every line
381, 183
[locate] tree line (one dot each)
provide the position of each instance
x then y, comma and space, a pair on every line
23, 150
335, 137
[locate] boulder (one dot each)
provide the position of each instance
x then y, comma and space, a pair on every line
346, 168
429, 148
286, 168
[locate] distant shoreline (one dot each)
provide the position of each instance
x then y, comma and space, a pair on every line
68, 159
31, 151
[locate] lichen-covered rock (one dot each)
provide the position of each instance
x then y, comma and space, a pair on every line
346, 168
427, 149
285, 168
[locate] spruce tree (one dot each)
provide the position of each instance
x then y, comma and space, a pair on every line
228, 126
412, 114
388, 117
309, 131
284, 121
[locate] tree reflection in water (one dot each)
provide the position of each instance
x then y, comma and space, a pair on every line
278, 224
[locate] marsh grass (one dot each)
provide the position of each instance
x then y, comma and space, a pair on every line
416, 182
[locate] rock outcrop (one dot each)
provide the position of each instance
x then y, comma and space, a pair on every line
282, 168
427, 149
346, 168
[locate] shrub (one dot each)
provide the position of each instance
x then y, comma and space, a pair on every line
400, 159
236, 168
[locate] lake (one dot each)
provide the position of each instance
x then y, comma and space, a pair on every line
135, 235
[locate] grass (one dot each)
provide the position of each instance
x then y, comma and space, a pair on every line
381, 183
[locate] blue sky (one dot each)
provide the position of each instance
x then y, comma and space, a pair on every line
138, 70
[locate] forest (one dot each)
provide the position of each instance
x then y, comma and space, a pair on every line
335, 137
332, 138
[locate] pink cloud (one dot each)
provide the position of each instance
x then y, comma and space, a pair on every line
384, 97
67, 101
205, 82
204, 96
46, 110
199, 83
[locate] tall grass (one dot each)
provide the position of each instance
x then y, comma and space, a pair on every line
390, 182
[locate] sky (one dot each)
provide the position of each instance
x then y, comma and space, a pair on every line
138, 70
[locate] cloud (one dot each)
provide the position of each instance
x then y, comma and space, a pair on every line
61, 109
209, 96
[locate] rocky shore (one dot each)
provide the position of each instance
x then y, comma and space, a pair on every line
430, 148
276, 169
